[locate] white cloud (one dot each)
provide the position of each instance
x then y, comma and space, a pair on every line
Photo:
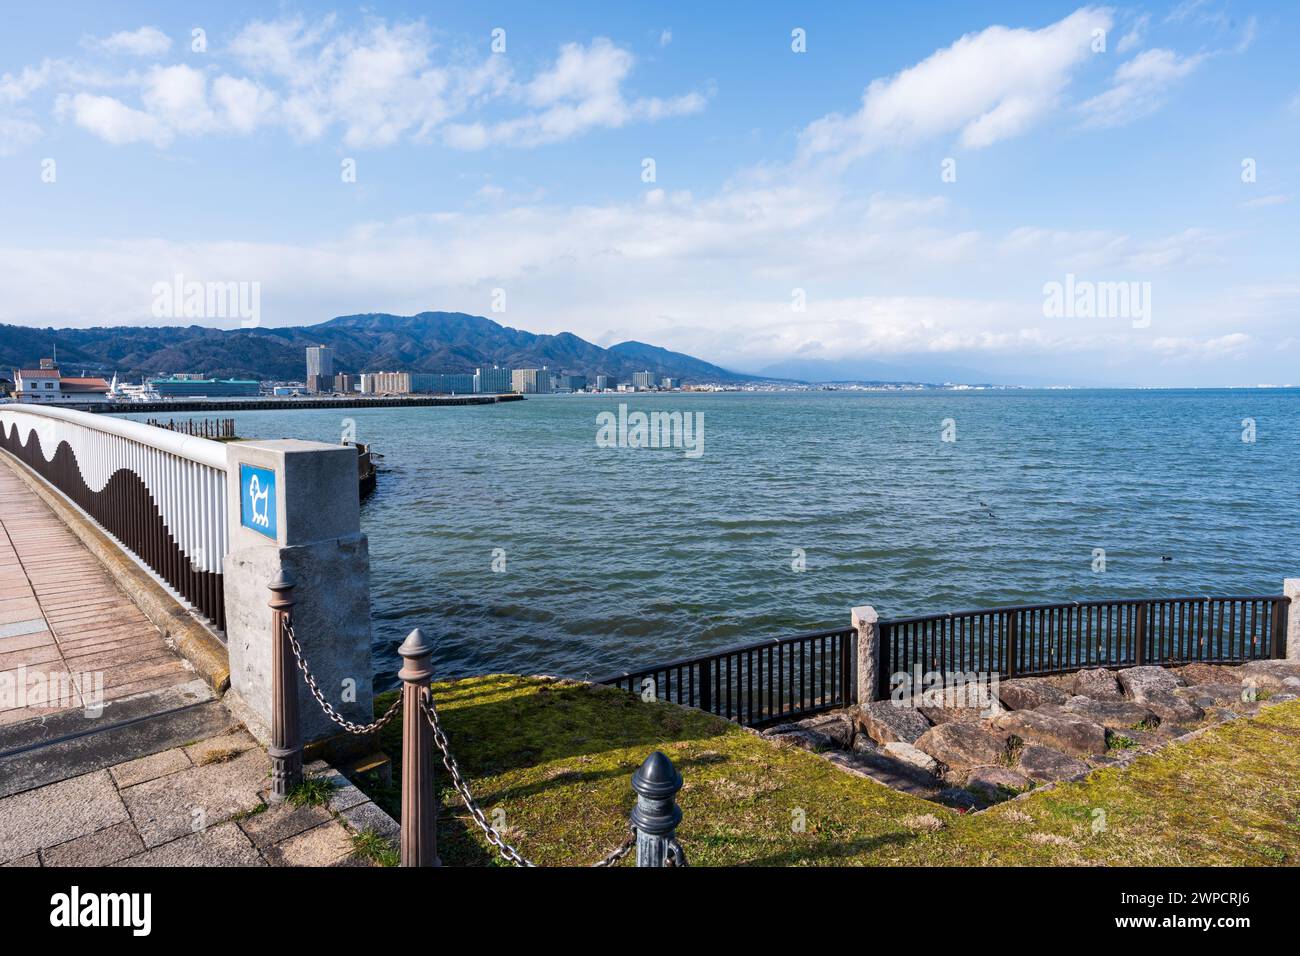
665, 37
146, 41
955, 90
1140, 87
16, 133
581, 91
1135, 34
113, 121
241, 104
177, 96
1272, 199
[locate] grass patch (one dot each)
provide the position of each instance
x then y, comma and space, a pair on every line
371, 846
553, 761
220, 756
312, 792
1120, 742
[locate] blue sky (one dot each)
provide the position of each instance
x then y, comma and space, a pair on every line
798, 207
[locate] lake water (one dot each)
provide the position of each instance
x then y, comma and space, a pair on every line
620, 556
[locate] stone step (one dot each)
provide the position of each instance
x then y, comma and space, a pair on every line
68, 743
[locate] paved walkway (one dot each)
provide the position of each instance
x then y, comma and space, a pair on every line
201, 805
68, 636
111, 752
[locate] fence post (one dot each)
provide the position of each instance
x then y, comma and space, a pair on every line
286, 734
1290, 628
867, 623
1140, 634
656, 814
419, 811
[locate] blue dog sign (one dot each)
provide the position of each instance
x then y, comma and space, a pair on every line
257, 499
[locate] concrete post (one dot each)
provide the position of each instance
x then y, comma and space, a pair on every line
285, 750
1291, 588
867, 624
294, 508
656, 814
419, 809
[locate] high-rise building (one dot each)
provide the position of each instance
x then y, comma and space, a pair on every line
570, 383
442, 383
644, 379
531, 381
386, 383
493, 381
605, 382
345, 383
320, 367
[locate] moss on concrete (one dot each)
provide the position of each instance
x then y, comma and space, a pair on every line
553, 761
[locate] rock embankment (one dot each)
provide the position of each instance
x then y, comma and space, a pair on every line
1035, 730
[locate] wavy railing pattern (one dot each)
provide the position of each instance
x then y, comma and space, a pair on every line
161, 495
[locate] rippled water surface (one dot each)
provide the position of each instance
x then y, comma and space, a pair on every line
621, 556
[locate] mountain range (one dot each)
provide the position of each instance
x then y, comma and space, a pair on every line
428, 342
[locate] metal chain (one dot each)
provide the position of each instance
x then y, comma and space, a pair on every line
676, 856
330, 712
506, 851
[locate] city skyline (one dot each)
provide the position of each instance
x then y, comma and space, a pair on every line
878, 197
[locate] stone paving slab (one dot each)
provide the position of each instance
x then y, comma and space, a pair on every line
58, 813
223, 845
171, 806
149, 768
101, 848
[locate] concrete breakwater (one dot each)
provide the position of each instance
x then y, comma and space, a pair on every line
265, 404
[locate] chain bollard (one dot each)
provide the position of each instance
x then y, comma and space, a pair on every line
419, 811
656, 814
286, 734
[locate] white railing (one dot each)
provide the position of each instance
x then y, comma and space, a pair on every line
184, 477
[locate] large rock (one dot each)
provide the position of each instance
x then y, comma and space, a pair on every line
1198, 673
1214, 695
1046, 765
807, 739
1171, 708
1140, 682
1026, 693
888, 770
1268, 675
910, 755
962, 746
1097, 683
997, 783
885, 721
1061, 730
946, 714
822, 732
1112, 714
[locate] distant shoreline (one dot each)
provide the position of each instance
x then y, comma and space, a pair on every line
276, 404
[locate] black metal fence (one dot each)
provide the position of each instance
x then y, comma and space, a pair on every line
1041, 639
792, 677
758, 683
